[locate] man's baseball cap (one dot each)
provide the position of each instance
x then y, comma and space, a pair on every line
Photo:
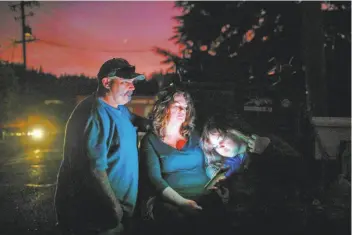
118, 67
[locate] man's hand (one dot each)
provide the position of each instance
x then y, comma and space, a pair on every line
105, 189
143, 124
119, 212
258, 144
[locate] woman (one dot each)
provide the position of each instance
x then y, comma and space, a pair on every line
174, 164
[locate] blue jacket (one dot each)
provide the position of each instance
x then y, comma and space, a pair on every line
233, 163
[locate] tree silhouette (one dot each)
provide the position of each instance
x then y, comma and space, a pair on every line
9, 96
257, 44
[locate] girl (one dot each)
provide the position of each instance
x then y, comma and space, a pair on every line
226, 142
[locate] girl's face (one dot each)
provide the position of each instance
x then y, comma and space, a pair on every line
225, 146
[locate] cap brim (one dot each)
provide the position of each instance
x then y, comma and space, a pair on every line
131, 75
138, 76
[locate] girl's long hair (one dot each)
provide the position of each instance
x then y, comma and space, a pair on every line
228, 126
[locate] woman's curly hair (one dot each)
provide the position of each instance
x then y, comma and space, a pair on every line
161, 112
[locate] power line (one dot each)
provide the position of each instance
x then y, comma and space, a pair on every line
63, 45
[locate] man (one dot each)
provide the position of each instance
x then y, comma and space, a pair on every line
98, 178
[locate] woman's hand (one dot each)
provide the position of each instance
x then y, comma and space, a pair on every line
258, 144
190, 204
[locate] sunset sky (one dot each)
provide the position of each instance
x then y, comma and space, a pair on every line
77, 37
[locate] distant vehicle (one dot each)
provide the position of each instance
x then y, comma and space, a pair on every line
40, 128
35, 131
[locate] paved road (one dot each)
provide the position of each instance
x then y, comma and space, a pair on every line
27, 187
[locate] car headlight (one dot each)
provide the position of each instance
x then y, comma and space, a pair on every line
37, 133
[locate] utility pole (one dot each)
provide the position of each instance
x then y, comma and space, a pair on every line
26, 30
23, 20
314, 57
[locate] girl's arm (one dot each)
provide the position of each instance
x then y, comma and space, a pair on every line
234, 164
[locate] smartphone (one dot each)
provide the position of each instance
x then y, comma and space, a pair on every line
220, 173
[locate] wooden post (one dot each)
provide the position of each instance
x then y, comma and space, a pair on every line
314, 57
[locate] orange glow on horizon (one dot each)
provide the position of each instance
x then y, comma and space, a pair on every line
78, 37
